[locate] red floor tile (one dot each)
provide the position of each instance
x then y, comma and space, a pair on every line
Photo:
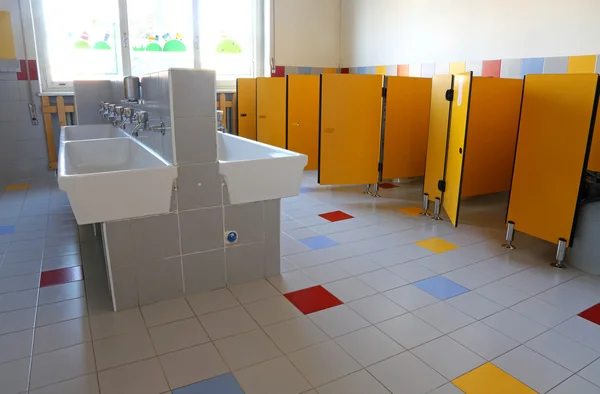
387, 185
335, 216
592, 314
60, 276
313, 299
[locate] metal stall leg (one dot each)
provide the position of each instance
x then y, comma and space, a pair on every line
425, 205
561, 254
510, 235
376, 190
367, 189
436, 209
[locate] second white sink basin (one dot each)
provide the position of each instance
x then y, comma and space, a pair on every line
112, 179
254, 171
90, 132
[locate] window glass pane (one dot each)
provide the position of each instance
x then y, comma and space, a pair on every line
160, 35
81, 39
227, 37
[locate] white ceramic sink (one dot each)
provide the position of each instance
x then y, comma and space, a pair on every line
90, 132
111, 179
254, 171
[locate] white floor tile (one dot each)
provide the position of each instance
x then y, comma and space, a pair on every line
192, 365
443, 317
166, 312
382, 280
277, 376
272, 310
18, 300
387, 257
502, 294
514, 325
376, 308
566, 299
448, 357
253, 291
87, 384
349, 289
57, 293
115, 323
212, 301
468, 278
227, 322
360, 382
575, 384
61, 311
243, 350
22, 319
484, 340
534, 370
338, 320
409, 331
60, 335
412, 272
291, 281
15, 345
581, 330
475, 305
563, 350
177, 335
311, 258
369, 345
528, 282
14, 376
541, 312
301, 233
358, 265
287, 266
143, 377
326, 273
123, 349
448, 388
405, 373
592, 373
502, 266
410, 297
323, 363
295, 334
63, 364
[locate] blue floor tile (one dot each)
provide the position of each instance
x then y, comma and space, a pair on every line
320, 242
223, 384
441, 288
7, 230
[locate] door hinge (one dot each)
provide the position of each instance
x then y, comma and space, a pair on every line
384, 92
442, 186
450, 94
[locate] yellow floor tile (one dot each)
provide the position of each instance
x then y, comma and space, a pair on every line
21, 186
489, 379
412, 211
437, 245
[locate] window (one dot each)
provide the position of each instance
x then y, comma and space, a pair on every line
84, 39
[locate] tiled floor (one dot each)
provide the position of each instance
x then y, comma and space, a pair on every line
372, 299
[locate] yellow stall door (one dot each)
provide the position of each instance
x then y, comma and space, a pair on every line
303, 117
246, 107
456, 144
594, 160
439, 123
554, 134
350, 129
406, 127
270, 110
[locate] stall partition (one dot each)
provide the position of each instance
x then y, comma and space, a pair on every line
558, 117
246, 107
350, 129
406, 127
303, 117
271, 111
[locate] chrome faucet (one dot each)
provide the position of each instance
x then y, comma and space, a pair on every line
118, 122
105, 112
129, 113
111, 111
143, 124
101, 109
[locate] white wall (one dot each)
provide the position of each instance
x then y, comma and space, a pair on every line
307, 33
380, 32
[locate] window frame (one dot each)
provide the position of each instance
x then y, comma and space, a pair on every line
124, 52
